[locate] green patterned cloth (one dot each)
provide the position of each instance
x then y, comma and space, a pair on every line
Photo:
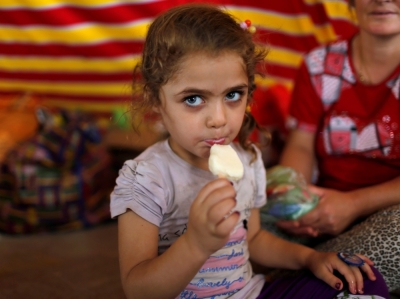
288, 197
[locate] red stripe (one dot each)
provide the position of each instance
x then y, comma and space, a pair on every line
122, 13
64, 16
280, 39
343, 28
276, 70
74, 98
68, 77
123, 78
107, 49
272, 69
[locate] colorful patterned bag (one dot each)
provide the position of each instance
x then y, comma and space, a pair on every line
58, 180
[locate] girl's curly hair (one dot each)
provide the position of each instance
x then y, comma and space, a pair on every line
189, 29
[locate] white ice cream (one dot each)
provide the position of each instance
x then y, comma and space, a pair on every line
224, 162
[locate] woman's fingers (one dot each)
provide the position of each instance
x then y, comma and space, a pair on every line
294, 228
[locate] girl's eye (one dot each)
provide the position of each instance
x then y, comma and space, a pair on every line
233, 96
193, 101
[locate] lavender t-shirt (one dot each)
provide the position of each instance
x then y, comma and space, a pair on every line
160, 187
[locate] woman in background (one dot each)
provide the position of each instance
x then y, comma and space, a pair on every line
345, 117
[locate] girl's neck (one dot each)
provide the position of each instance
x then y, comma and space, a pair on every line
375, 58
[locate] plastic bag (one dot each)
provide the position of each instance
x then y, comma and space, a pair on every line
288, 195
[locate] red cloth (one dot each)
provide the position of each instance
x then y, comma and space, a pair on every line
357, 126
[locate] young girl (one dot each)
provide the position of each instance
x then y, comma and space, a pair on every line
177, 235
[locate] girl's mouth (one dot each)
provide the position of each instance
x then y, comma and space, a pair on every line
215, 141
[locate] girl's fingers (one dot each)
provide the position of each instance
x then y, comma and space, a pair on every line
348, 274
358, 285
346, 271
215, 190
354, 277
218, 194
367, 268
332, 280
221, 210
225, 227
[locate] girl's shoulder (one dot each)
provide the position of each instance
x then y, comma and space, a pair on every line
146, 168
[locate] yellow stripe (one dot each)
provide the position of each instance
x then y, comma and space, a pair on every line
75, 88
284, 57
335, 9
67, 65
312, 2
277, 55
86, 34
45, 3
339, 10
270, 81
287, 24
86, 106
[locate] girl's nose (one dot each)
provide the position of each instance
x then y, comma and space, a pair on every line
217, 116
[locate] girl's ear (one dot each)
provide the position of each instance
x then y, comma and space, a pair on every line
156, 108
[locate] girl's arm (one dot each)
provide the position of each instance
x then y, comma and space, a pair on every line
143, 273
270, 251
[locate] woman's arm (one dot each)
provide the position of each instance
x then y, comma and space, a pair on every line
373, 198
336, 210
299, 153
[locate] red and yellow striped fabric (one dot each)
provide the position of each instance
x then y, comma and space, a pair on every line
80, 53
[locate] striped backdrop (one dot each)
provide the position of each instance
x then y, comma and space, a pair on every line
80, 53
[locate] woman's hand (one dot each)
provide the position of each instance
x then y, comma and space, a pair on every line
211, 219
334, 212
322, 264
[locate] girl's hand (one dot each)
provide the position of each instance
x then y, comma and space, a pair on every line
322, 264
332, 215
210, 219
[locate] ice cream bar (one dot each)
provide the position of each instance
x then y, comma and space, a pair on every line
224, 162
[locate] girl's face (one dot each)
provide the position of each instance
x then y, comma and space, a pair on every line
378, 17
204, 104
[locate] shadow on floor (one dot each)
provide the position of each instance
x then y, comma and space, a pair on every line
81, 265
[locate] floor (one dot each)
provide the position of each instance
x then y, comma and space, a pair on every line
80, 265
